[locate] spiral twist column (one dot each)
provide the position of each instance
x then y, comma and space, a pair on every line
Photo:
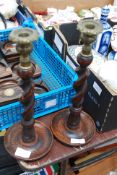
75, 127
29, 139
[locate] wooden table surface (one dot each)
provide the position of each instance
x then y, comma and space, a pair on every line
60, 152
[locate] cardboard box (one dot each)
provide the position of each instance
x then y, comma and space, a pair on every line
42, 5
102, 167
101, 103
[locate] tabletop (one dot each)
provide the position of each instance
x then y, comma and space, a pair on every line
60, 152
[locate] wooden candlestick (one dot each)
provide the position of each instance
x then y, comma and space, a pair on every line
30, 139
75, 127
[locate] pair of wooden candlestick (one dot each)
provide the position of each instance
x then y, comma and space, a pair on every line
31, 140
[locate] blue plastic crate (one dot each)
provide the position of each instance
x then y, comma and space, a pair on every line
5, 33
58, 77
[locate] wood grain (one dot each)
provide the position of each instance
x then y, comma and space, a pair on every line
101, 168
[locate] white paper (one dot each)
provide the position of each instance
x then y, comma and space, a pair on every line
58, 43
41, 32
50, 103
97, 88
73, 140
69, 62
22, 153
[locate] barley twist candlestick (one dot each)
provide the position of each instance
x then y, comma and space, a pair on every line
30, 139
75, 127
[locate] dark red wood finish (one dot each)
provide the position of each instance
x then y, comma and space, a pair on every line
60, 152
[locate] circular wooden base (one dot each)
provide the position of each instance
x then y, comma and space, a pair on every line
73, 137
28, 151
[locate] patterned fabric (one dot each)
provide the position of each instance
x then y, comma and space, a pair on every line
49, 170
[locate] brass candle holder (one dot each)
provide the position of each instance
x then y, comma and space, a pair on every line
29, 139
74, 127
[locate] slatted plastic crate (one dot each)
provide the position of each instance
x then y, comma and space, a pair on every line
58, 77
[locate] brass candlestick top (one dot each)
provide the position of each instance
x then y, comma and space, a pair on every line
89, 30
23, 36
90, 27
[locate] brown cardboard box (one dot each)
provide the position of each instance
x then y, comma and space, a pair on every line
42, 5
102, 167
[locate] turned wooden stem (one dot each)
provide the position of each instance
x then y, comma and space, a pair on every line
23, 39
80, 86
26, 71
89, 31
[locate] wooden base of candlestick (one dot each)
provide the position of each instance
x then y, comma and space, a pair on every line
73, 137
28, 151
